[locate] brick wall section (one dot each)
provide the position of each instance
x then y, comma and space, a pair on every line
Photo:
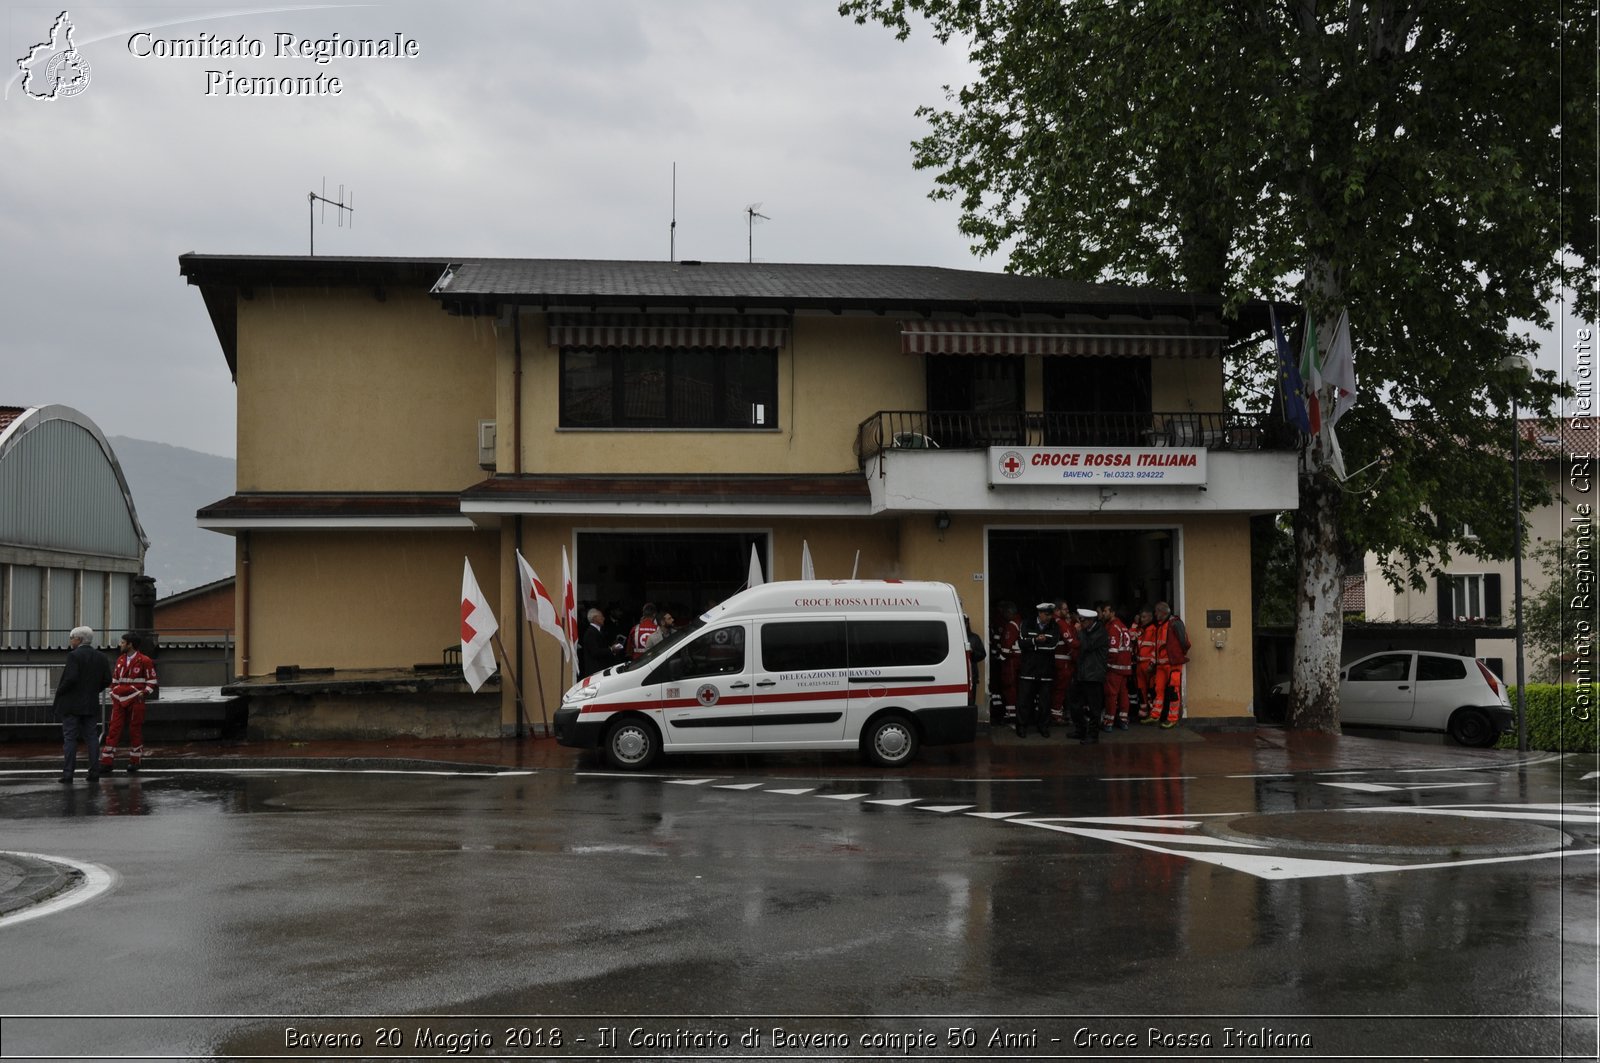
211, 609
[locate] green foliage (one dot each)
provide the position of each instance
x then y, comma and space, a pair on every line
1550, 618
1407, 162
1562, 719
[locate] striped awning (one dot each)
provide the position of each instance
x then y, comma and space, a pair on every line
1104, 338
669, 330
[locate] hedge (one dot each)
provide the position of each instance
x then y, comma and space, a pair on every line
1563, 719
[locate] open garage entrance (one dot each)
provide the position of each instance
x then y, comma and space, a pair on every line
1132, 568
685, 572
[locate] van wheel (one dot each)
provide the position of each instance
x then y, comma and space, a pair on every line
632, 744
1471, 727
890, 741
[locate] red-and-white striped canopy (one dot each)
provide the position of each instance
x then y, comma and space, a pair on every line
668, 330
1106, 338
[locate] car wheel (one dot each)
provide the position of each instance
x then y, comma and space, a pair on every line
890, 741
632, 743
1472, 727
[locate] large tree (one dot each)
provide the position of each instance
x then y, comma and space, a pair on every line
1399, 161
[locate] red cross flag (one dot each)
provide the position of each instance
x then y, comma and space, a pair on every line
537, 605
569, 606
478, 628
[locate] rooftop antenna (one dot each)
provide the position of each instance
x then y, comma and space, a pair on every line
672, 230
339, 205
752, 212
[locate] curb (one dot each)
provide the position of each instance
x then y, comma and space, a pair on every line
26, 881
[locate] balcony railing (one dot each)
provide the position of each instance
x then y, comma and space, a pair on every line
955, 430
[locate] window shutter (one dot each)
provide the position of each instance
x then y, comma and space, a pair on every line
1491, 598
1444, 613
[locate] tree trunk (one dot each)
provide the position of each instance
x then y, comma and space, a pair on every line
1319, 617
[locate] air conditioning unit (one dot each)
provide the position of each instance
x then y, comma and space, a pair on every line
486, 440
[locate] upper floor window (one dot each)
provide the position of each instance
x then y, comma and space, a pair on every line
669, 387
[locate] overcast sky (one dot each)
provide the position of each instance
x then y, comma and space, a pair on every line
546, 128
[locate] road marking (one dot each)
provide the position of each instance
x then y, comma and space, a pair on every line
1382, 788
741, 786
996, 815
688, 782
1263, 775
96, 880
791, 793
943, 808
1591, 775
842, 797
897, 801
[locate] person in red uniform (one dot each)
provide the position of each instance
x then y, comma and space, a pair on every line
133, 678
1119, 668
1066, 656
1172, 653
643, 635
1144, 665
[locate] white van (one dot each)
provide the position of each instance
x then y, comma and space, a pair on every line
875, 665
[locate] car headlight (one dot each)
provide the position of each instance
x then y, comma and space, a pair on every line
577, 694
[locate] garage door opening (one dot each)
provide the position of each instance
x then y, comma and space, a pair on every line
1130, 567
684, 572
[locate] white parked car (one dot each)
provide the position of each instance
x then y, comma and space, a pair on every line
1412, 690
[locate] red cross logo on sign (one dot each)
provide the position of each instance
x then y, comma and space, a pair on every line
1011, 465
707, 695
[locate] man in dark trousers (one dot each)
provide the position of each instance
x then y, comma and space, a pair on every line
77, 701
1038, 642
1088, 686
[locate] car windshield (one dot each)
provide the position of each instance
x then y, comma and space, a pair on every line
655, 652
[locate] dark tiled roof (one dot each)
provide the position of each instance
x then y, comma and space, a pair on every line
751, 487
798, 285
9, 414
327, 504
1572, 435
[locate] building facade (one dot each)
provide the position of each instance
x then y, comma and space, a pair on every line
657, 422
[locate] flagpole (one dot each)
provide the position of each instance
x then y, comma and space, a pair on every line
516, 684
538, 677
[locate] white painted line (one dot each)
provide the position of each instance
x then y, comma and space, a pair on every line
1139, 836
898, 801
1150, 822
792, 793
1366, 787
96, 880
1361, 772
1591, 775
996, 815
740, 786
842, 797
1446, 785
689, 782
1263, 775
943, 808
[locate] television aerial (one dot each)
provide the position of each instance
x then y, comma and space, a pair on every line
339, 207
752, 211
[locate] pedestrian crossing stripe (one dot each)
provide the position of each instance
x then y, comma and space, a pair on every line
943, 808
792, 793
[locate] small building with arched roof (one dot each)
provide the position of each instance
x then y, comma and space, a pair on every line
71, 547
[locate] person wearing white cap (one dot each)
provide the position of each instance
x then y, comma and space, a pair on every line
1038, 643
1088, 685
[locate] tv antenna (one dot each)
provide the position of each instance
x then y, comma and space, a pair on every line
339, 207
752, 212
672, 230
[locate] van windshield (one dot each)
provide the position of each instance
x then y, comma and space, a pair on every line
654, 652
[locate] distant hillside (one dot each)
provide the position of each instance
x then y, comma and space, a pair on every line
169, 485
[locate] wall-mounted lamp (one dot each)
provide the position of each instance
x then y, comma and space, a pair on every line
941, 521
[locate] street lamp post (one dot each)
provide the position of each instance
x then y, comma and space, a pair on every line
1516, 363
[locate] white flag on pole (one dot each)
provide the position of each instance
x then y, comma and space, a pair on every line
755, 579
1339, 372
807, 571
537, 605
478, 627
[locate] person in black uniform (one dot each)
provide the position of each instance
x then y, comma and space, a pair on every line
1038, 671
1089, 683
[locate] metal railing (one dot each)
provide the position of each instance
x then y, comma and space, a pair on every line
959, 430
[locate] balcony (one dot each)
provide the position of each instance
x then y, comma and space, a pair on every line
940, 460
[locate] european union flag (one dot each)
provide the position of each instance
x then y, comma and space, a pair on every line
1289, 379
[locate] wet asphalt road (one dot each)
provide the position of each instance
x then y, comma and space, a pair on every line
1108, 913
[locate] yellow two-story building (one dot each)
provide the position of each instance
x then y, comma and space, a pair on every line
658, 423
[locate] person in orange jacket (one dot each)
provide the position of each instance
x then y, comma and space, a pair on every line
1144, 660
133, 679
1009, 655
1172, 653
1119, 668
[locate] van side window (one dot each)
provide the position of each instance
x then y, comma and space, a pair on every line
885, 643
718, 652
803, 646
1390, 668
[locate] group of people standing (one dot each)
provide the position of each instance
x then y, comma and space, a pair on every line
87, 674
604, 642
1094, 666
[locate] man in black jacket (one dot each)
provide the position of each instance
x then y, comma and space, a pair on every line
1089, 683
77, 701
1038, 645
